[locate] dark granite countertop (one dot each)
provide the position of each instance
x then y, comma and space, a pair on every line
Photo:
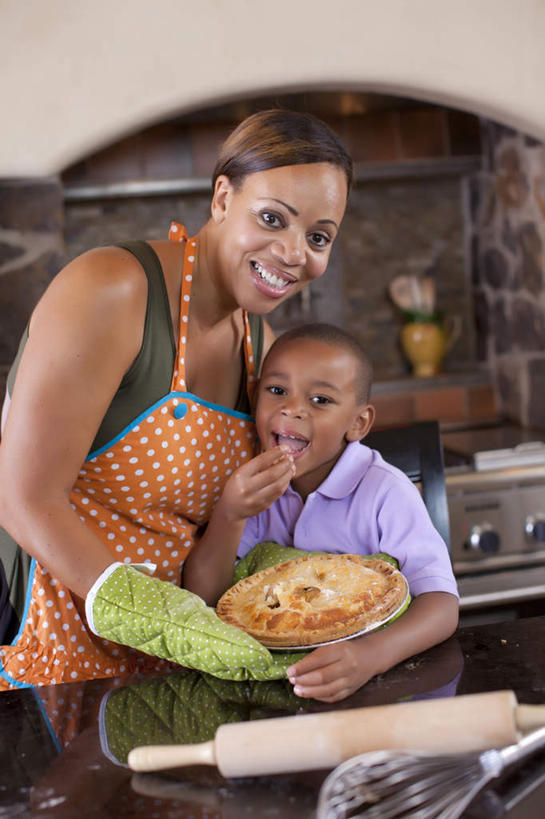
59, 744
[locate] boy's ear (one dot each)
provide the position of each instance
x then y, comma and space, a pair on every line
361, 424
223, 191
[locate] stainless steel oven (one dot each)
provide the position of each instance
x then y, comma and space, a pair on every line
496, 494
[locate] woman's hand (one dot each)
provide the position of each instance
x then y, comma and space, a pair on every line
333, 672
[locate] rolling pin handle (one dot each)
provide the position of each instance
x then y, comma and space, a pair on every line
162, 757
529, 717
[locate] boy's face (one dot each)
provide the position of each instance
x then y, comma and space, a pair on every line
307, 401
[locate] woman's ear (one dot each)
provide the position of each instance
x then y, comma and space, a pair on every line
223, 192
362, 423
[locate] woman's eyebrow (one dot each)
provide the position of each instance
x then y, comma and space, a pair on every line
295, 212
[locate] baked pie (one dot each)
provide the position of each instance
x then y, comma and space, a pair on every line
314, 599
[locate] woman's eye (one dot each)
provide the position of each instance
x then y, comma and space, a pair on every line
272, 219
320, 239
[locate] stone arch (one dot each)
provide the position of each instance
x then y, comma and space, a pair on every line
76, 77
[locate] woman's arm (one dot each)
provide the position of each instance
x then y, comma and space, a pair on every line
334, 672
84, 334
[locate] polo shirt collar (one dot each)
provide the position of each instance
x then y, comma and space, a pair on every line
347, 472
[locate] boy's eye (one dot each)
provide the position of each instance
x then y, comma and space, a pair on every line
276, 390
320, 239
272, 219
320, 399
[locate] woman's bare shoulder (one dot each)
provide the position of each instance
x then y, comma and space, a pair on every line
96, 302
107, 269
106, 282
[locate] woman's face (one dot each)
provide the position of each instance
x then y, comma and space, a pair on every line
276, 231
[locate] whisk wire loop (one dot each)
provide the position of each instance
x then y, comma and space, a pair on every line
386, 785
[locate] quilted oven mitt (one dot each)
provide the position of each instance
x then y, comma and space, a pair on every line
128, 606
186, 707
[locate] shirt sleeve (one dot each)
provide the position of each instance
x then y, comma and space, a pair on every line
250, 536
407, 533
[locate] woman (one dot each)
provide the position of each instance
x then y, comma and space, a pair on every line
123, 430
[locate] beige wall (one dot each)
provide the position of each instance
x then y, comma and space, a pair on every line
78, 74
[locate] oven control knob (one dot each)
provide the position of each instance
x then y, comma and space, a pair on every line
535, 527
484, 538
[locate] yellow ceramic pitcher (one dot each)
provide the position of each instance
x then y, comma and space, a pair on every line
425, 343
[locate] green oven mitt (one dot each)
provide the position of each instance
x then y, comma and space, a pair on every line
186, 707
128, 606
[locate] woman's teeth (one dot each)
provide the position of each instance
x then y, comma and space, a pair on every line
270, 278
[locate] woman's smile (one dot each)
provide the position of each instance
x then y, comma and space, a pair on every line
271, 281
277, 230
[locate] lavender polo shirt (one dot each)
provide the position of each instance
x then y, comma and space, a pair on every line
365, 505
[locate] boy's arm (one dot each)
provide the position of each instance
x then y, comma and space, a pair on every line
334, 672
253, 487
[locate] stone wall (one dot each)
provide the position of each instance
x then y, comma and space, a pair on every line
506, 207
31, 252
397, 221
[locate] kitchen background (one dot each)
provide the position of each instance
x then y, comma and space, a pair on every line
111, 124
439, 192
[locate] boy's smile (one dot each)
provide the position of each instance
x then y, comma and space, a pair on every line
307, 402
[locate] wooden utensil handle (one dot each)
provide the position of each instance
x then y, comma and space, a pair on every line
312, 741
529, 717
161, 757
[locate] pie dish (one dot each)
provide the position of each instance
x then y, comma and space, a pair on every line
315, 599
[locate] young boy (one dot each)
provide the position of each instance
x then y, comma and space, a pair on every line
316, 487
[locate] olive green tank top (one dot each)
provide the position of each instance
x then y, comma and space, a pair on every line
149, 377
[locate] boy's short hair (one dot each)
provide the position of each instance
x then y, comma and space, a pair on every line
336, 337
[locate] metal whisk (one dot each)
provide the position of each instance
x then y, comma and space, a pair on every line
388, 784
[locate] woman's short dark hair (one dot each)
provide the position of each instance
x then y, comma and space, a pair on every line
277, 137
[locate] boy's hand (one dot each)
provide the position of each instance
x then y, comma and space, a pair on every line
333, 672
256, 484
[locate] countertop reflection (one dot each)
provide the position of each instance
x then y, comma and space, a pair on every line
63, 748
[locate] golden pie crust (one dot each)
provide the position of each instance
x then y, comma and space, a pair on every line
314, 599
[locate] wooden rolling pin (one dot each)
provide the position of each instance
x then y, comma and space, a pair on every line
305, 742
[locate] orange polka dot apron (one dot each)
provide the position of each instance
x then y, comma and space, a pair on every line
144, 494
